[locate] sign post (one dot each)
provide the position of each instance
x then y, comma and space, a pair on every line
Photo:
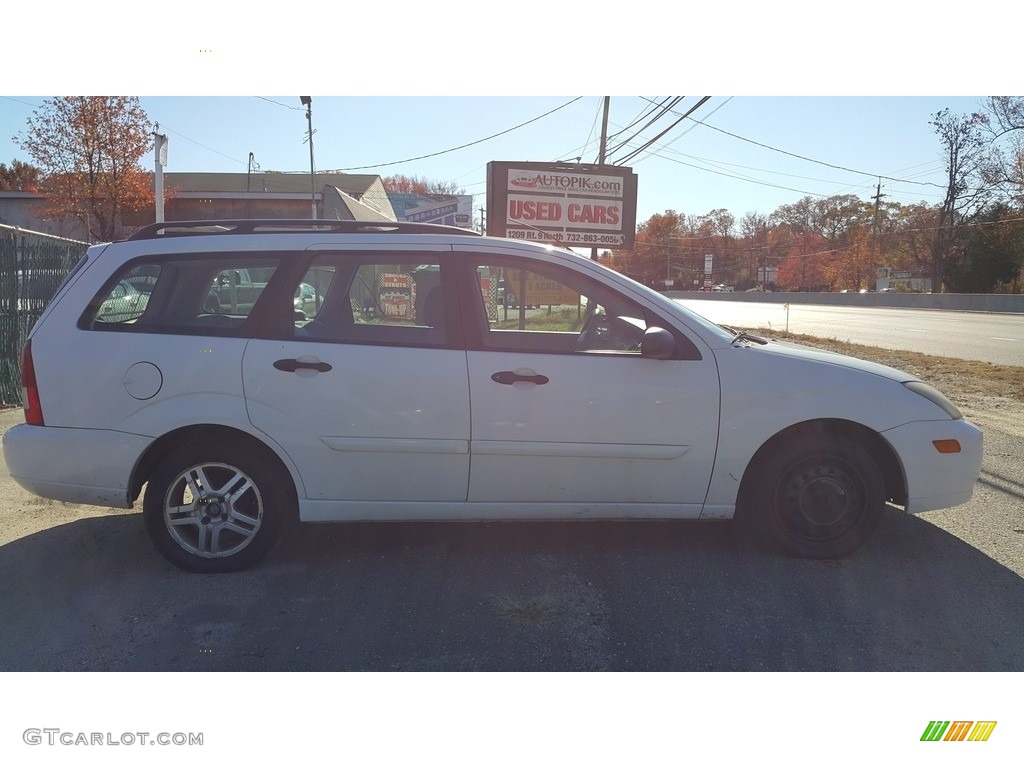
159, 161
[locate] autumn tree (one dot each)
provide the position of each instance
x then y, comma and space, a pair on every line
657, 252
804, 261
420, 186
845, 222
19, 177
796, 217
713, 235
754, 244
89, 149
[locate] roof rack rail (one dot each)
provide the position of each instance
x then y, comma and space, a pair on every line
255, 226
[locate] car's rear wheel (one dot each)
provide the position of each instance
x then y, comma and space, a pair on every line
818, 496
216, 508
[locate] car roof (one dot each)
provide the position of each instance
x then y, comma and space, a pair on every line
284, 226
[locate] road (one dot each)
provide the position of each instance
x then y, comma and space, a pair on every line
83, 589
992, 338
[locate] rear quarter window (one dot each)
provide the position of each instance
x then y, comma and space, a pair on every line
185, 295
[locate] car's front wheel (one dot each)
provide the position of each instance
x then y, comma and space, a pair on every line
819, 496
216, 508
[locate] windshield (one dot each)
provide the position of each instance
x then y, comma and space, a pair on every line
724, 333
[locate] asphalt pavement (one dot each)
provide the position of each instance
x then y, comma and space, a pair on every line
84, 590
997, 338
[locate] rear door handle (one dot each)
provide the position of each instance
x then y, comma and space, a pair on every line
292, 365
511, 377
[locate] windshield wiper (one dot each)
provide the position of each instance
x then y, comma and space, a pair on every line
744, 336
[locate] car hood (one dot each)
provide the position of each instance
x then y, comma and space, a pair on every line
799, 352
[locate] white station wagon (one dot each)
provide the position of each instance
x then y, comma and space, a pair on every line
404, 389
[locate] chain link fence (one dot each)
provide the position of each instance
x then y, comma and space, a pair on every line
32, 267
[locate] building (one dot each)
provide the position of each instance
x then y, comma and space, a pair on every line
194, 196
889, 279
24, 210
270, 195
454, 210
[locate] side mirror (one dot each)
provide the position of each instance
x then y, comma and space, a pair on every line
658, 344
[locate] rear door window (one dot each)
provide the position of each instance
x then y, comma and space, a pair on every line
397, 299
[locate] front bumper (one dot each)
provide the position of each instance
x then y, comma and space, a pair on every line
937, 480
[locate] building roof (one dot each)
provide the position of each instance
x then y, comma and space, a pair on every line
337, 204
354, 184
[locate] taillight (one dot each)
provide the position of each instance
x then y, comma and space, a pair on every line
29, 390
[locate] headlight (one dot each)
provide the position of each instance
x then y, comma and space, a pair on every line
931, 393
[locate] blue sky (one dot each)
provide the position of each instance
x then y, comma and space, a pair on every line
743, 159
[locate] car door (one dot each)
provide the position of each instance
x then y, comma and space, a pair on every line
367, 391
568, 416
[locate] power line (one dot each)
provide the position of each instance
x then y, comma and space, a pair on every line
186, 138
751, 180
19, 101
286, 106
664, 110
812, 160
641, 115
461, 146
637, 151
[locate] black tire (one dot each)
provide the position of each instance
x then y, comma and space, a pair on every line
818, 496
217, 508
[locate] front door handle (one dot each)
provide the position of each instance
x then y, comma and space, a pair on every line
511, 377
292, 365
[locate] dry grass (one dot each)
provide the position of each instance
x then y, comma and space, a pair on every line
958, 379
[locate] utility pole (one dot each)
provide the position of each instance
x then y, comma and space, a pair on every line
764, 261
604, 131
307, 101
159, 161
483, 221
248, 179
872, 283
601, 150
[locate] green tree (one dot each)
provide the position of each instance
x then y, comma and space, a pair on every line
993, 251
89, 149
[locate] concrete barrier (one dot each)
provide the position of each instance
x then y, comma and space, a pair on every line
959, 302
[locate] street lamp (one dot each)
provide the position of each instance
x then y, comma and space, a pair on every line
307, 102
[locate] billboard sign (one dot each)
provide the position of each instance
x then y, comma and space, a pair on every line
571, 204
454, 210
535, 290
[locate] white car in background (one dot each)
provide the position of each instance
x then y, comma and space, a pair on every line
124, 304
412, 394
